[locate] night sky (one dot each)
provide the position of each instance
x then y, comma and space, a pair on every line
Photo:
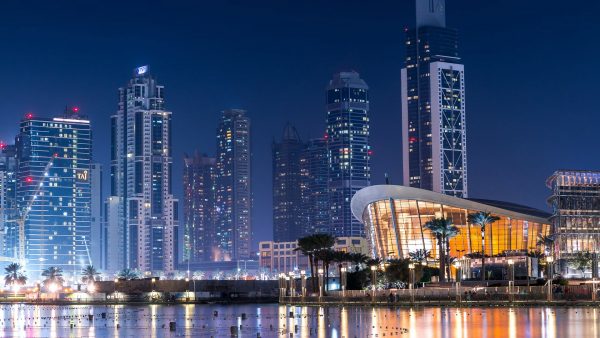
530, 77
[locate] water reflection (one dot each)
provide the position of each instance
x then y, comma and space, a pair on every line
270, 320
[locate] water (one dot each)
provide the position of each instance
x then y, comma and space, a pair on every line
271, 320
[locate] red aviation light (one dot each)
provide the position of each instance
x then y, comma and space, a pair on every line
370, 152
29, 116
2, 145
412, 139
28, 179
75, 109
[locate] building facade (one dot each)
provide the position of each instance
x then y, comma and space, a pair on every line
394, 218
348, 149
288, 223
282, 257
234, 198
97, 240
141, 187
575, 203
54, 192
199, 213
314, 171
433, 105
9, 211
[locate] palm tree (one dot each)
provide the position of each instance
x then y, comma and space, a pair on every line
54, 275
341, 257
89, 274
547, 242
128, 274
482, 219
306, 245
14, 275
444, 230
326, 256
358, 259
419, 256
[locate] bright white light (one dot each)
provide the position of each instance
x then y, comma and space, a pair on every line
91, 288
53, 288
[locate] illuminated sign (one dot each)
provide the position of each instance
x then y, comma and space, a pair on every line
82, 175
141, 70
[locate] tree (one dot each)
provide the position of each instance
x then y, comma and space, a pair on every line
547, 242
54, 275
14, 275
482, 219
309, 246
89, 274
341, 257
444, 230
419, 256
326, 256
128, 274
582, 260
359, 259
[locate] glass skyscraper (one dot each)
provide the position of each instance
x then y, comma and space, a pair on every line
54, 193
199, 214
234, 200
348, 149
287, 199
433, 105
9, 213
314, 171
143, 229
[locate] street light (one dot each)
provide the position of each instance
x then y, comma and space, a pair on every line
511, 282
411, 282
343, 280
373, 279
303, 276
320, 283
292, 284
458, 279
549, 267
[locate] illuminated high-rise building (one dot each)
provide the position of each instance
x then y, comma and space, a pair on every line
141, 187
9, 212
433, 105
54, 192
234, 199
288, 224
314, 171
199, 176
98, 245
348, 149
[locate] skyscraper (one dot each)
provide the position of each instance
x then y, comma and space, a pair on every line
97, 240
9, 212
199, 179
53, 191
348, 149
234, 199
141, 187
314, 171
433, 105
287, 198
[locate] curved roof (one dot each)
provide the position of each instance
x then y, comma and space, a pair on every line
374, 193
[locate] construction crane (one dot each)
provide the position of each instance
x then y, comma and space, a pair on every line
25, 212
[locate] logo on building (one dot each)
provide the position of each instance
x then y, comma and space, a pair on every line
82, 175
141, 70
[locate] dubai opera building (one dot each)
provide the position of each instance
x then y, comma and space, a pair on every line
395, 216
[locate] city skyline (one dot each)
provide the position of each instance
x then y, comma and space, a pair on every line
487, 124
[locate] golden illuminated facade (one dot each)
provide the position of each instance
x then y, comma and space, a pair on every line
395, 218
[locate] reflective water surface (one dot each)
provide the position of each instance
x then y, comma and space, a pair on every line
271, 320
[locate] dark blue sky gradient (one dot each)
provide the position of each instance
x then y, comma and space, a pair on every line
530, 77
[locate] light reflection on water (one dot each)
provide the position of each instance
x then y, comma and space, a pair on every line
271, 320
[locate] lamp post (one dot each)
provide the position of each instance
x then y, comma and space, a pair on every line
458, 280
320, 283
343, 280
411, 282
115, 288
281, 288
511, 278
373, 279
550, 273
292, 284
303, 277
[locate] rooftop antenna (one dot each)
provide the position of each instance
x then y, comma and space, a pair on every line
387, 179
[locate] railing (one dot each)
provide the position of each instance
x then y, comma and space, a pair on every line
431, 295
